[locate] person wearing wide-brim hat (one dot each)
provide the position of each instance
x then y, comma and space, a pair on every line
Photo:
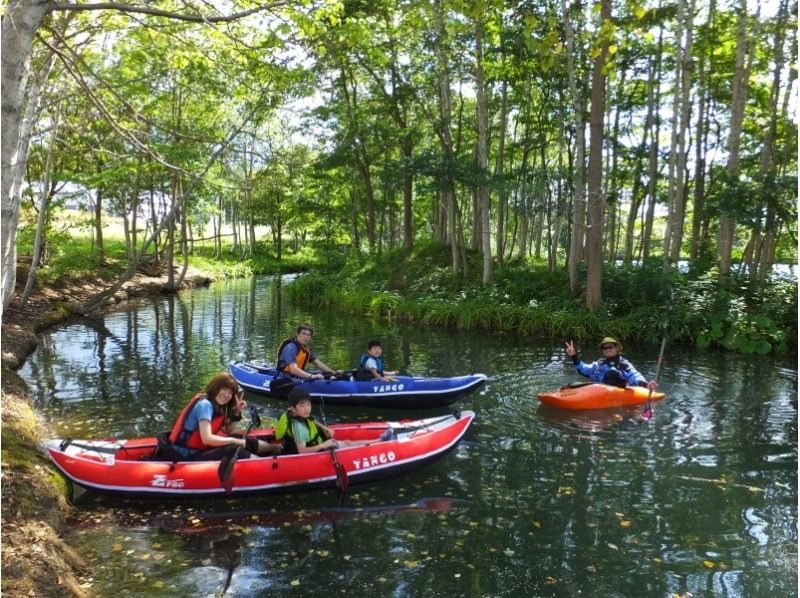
612, 368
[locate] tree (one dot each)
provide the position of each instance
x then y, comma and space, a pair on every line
20, 22
594, 179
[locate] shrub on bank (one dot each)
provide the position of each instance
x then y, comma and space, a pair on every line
419, 287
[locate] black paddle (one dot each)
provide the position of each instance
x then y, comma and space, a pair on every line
342, 481
226, 465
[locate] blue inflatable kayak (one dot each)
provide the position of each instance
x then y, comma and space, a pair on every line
403, 392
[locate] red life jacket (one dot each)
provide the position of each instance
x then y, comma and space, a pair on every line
191, 438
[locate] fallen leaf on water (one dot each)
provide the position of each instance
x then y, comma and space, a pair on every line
411, 564
537, 524
591, 568
612, 546
709, 564
624, 523
550, 580
158, 584
508, 552
295, 582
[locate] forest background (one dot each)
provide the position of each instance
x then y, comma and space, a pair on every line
551, 167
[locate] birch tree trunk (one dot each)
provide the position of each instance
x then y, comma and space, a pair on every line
647, 232
44, 206
727, 225
764, 243
679, 206
697, 242
20, 21
578, 203
502, 196
483, 154
445, 135
594, 236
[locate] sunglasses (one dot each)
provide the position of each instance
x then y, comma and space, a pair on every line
607, 347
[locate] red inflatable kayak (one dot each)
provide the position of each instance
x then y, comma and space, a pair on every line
126, 467
597, 396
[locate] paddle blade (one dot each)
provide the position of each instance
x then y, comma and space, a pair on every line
225, 471
342, 481
255, 418
647, 413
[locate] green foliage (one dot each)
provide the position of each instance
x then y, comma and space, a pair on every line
739, 318
527, 299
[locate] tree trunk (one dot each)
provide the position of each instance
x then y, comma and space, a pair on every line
502, 196
579, 203
685, 79
445, 135
594, 237
483, 154
44, 206
697, 241
20, 21
760, 265
647, 229
727, 225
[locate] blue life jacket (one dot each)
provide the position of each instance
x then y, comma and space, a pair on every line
362, 373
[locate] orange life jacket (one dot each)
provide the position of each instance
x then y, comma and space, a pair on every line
302, 355
191, 438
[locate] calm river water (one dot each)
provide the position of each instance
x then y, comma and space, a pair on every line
701, 500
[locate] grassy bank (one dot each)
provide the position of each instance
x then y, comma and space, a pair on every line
525, 298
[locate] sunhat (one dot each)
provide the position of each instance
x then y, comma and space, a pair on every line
609, 340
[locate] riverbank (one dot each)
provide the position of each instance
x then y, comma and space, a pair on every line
526, 298
35, 561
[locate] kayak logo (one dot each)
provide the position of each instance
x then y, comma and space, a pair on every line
161, 481
374, 460
387, 387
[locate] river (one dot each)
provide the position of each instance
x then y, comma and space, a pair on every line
700, 500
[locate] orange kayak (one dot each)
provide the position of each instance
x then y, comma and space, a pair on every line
597, 396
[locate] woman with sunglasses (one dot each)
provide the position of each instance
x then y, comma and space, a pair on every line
203, 430
612, 368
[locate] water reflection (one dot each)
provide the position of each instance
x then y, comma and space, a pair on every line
701, 499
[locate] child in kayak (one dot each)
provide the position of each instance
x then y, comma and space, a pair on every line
302, 434
370, 366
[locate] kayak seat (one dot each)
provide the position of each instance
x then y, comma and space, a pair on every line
164, 450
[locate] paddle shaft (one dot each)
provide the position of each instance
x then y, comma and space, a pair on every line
111, 450
226, 466
400, 428
648, 409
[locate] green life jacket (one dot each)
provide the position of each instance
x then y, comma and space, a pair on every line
283, 432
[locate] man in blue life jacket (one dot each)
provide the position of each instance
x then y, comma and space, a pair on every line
612, 368
370, 366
